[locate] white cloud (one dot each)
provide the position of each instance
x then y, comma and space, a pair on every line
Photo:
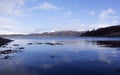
9, 7
115, 22
5, 20
106, 13
6, 25
9, 25
74, 21
46, 6
101, 25
72, 24
107, 18
34, 0
115, 17
92, 12
68, 14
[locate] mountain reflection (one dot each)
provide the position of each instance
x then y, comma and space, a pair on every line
112, 44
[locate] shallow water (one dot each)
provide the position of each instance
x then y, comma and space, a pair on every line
61, 56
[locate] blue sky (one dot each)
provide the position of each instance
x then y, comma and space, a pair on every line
36, 16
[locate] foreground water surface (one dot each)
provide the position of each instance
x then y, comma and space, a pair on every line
60, 56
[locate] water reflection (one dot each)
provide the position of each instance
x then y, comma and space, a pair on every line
61, 58
114, 44
107, 50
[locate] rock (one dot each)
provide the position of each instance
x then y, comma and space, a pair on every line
4, 41
6, 57
38, 43
22, 48
50, 43
30, 43
118, 69
16, 45
53, 56
59, 43
4, 46
6, 51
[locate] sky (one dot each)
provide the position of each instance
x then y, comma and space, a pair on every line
37, 16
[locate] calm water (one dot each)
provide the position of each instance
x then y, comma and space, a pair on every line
60, 56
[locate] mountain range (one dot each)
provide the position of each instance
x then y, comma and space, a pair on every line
59, 33
111, 31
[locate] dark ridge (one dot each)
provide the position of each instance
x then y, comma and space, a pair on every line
112, 31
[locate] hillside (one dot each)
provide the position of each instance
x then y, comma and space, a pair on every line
58, 33
112, 31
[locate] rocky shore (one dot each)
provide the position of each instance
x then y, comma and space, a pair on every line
4, 41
